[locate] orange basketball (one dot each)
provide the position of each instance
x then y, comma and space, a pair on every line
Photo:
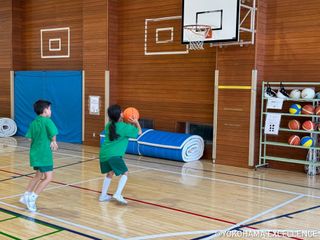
308, 109
294, 124
130, 112
294, 140
317, 111
308, 125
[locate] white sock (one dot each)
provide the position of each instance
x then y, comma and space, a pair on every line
121, 185
105, 186
27, 193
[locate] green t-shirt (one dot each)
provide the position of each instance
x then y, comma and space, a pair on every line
118, 147
41, 131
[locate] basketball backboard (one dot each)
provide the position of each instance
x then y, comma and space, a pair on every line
221, 15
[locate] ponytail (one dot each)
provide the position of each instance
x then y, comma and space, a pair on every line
112, 131
114, 113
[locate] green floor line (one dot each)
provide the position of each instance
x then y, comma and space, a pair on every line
17, 215
8, 235
44, 235
8, 219
56, 228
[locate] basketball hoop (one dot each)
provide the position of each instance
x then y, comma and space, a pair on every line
196, 34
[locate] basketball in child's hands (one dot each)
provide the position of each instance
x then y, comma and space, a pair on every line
130, 113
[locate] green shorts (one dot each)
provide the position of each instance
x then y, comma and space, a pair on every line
44, 169
115, 164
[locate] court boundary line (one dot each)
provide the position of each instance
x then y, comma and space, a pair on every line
220, 180
288, 215
60, 219
278, 206
61, 185
66, 222
153, 204
223, 173
230, 182
54, 152
27, 162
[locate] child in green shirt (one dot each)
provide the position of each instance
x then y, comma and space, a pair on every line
117, 134
42, 132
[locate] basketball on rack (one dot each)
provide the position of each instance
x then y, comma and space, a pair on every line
294, 140
317, 110
295, 109
130, 112
308, 109
306, 141
308, 125
294, 124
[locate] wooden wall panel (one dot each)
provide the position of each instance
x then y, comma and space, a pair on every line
292, 41
113, 48
233, 127
95, 56
38, 15
288, 49
165, 88
6, 34
235, 65
170, 89
17, 57
5, 56
5, 108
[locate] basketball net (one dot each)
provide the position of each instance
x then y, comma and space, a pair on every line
196, 34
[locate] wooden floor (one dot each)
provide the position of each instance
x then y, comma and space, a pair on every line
166, 200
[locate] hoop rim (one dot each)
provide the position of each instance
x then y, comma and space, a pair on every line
191, 26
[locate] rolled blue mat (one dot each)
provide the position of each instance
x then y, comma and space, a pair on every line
168, 145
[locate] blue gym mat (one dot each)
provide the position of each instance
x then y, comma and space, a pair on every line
160, 144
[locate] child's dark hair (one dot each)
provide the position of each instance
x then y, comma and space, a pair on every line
40, 105
114, 113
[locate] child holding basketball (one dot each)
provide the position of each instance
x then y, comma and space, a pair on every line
117, 134
42, 132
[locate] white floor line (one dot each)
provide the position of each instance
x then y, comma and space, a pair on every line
52, 188
27, 162
255, 217
56, 152
67, 222
173, 234
14, 165
221, 232
227, 181
68, 184
275, 232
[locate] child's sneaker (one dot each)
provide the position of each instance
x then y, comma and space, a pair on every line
31, 203
23, 199
104, 198
120, 199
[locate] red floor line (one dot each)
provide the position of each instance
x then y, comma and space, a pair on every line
152, 204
